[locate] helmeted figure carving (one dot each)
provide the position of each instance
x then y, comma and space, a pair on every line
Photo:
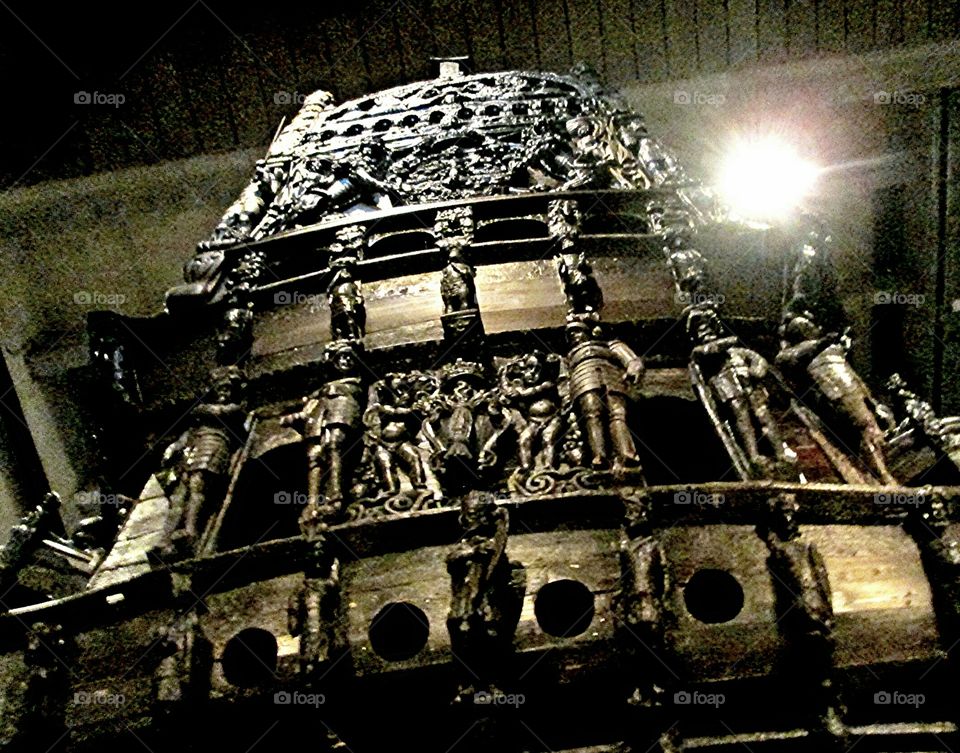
462, 325
735, 376
202, 456
804, 611
241, 220
530, 399
600, 372
808, 612
810, 359
329, 422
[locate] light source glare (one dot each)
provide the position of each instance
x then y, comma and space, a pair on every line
764, 179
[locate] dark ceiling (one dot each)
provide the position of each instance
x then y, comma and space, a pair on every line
209, 76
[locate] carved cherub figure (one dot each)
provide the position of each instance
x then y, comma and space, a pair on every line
530, 398
393, 418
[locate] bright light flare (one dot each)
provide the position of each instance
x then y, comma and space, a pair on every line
764, 179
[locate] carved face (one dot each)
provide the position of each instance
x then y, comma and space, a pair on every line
344, 361
532, 370
400, 392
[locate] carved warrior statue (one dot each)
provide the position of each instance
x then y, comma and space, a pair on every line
600, 372
817, 364
330, 423
735, 376
202, 458
348, 314
583, 293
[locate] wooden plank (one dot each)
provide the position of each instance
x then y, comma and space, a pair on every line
712, 35
801, 29
483, 34
681, 28
742, 22
585, 33
551, 19
831, 36
772, 31
651, 49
